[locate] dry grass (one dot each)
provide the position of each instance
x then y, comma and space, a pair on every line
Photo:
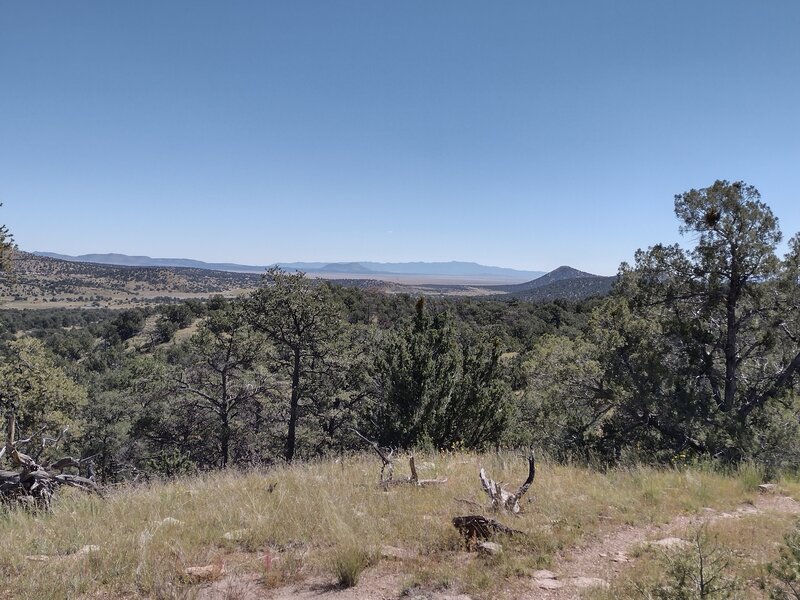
746, 542
746, 546
319, 511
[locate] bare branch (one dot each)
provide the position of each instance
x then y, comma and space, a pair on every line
531, 474
28, 440
502, 499
413, 467
54, 441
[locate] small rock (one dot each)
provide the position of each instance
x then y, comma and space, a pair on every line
490, 549
38, 557
548, 584
588, 582
87, 549
671, 542
542, 574
207, 573
767, 488
620, 557
747, 509
171, 521
236, 535
394, 553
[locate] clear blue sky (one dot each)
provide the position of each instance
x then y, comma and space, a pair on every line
523, 134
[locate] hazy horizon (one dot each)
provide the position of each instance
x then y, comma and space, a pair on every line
320, 263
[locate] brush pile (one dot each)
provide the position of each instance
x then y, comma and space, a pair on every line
33, 485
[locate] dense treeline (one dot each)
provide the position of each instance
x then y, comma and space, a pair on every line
285, 372
694, 355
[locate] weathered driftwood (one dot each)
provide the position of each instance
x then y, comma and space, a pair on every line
387, 470
413, 479
477, 527
33, 484
503, 500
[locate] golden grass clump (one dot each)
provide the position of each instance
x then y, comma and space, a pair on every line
349, 560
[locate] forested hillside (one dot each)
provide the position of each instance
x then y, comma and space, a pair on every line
694, 355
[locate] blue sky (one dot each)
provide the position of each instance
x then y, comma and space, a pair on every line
522, 134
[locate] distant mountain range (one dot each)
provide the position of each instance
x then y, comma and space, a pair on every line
124, 260
438, 269
46, 280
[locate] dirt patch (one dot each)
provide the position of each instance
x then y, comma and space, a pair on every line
598, 563
376, 583
593, 565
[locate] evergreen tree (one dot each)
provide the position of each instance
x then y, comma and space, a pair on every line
35, 393
304, 324
433, 389
224, 378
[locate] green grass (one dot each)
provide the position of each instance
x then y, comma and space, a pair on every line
327, 519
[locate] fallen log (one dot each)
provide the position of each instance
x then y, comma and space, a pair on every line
477, 527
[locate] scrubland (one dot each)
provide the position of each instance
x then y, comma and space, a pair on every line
327, 526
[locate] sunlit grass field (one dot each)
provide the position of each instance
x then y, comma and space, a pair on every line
328, 519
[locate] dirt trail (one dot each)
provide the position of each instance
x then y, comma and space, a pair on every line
598, 562
595, 564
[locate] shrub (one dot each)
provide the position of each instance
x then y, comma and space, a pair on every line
786, 571
349, 561
699, 571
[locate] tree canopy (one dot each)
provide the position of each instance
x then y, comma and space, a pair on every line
696, 340
6, 248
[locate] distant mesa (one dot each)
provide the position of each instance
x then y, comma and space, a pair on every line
350, 268
124, 260
429, 269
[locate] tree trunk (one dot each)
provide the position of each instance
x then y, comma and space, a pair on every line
730, 357
224, 413
224, 442
11, 422
293, 408
731, 361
